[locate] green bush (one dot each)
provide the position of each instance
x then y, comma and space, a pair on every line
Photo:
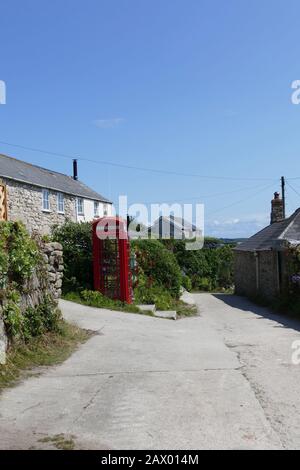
20, 257
19, 254
157, 266
204, 284
11, 312
76, 239
208, 269
187, 283
33, 323
153, 295
96, 299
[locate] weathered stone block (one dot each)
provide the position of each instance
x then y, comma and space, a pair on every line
3, 342
58, 284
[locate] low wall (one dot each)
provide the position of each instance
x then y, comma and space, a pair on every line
53, 256
45, 280
256, 275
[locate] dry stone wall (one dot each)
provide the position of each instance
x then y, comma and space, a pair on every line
45, 280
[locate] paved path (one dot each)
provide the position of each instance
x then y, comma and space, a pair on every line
223, 379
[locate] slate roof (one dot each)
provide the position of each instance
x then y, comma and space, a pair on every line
24, 172
177, 222
275, 235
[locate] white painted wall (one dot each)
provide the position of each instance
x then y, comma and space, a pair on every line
89, 210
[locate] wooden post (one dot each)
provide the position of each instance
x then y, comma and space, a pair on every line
3, 201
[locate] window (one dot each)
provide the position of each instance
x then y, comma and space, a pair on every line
46, 204
105, 210
96, 209
60, 203
79, 203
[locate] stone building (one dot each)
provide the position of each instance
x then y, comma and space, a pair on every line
41, 198
261, 262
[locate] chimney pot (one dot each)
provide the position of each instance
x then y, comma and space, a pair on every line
277, 211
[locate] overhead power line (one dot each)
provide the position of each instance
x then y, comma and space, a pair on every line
242, 200
208, 196
138, 168
295, 191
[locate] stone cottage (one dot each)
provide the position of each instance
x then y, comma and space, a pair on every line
41, 198
261, 262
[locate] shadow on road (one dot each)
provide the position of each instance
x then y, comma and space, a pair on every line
242, 303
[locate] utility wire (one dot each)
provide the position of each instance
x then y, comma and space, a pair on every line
295, 191
242, 200
198, 198
138, 168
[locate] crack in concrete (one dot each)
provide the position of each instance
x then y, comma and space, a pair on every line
31, 407
89, 403
255, 389
171, 371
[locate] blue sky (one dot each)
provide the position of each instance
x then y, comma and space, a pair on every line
191, 86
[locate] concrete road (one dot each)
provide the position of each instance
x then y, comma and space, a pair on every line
221, 380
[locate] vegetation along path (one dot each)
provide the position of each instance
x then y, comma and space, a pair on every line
223, 379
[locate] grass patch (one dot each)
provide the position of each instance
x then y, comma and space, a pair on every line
221, 290
183, 309
49, 349
96, 299
60, 441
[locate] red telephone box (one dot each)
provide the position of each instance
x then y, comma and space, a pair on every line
111, 258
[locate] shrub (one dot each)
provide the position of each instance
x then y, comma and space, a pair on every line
11, 313
96, 299
33, 323
157, 266
187, 283
204, 283
50, 314
208, 269
153, 295
19, 254
20, 257
76, 239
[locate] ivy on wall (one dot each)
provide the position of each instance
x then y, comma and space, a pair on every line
20, 259
19, 254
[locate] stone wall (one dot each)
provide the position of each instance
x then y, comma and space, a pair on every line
53, 256
25, 204
45, 280
247, 266
268, 275
245, 273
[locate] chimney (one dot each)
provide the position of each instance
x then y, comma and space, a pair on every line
277, 212
75, 170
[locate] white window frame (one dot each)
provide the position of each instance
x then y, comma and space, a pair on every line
60, 201
80, 213
105, 210
46, 207
96, 209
